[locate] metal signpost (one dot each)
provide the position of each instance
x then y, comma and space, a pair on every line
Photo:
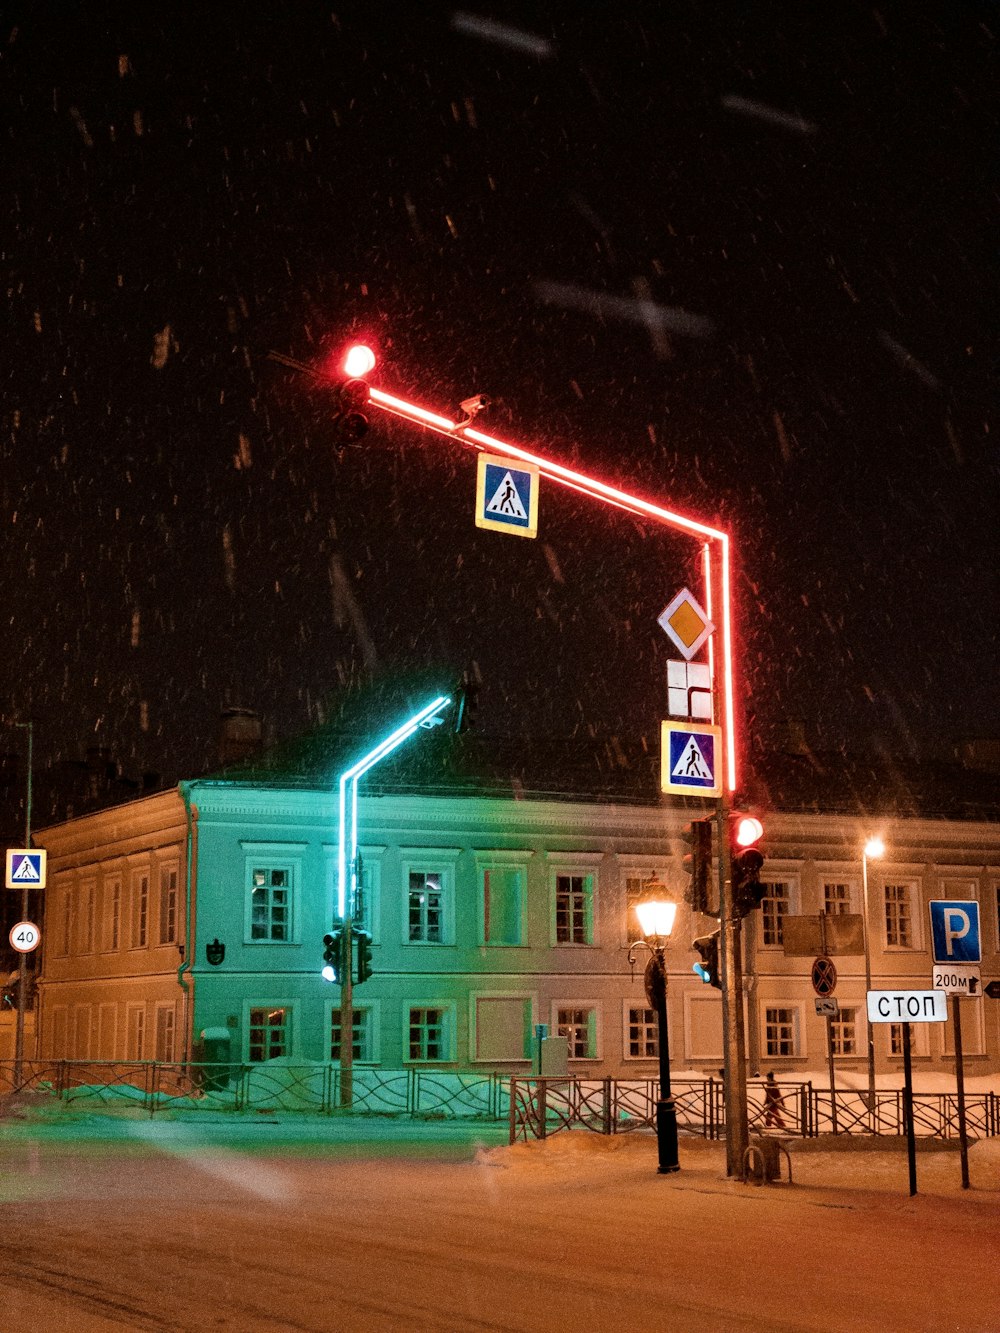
824, 983
906, 1007
957, 951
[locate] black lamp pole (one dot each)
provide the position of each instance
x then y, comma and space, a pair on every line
666, 1111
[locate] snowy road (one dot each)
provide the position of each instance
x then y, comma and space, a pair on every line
169, 1231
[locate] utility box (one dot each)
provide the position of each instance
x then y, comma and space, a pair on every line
553, 1057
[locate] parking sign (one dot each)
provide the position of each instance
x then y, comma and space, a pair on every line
955, 932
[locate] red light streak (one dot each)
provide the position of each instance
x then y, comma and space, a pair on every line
633, 504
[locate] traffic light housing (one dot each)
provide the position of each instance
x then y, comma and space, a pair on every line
708, 968
467, 715
746, 862
332, 955
698, 864
350, 423
364, 955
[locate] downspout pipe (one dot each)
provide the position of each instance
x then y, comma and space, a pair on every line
191, 812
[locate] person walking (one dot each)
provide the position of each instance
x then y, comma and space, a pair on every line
774, 1103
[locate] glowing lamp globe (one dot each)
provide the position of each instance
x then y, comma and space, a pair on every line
656, 910
359, 361
874, 848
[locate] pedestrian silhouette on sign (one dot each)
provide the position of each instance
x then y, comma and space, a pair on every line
506, 505
774, 1103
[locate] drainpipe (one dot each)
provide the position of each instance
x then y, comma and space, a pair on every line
191, 811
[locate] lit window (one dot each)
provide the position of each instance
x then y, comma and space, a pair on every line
781, 1031
268, 1034
579, 1027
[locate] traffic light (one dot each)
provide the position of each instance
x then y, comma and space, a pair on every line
468, 706
746, 861
350, 423
708, 968
364, 955
332, 948
698, 863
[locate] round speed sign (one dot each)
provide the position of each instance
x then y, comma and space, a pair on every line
25, 937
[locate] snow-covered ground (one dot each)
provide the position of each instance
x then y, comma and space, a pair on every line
168, 1230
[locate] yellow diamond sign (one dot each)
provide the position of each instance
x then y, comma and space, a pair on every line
685, 623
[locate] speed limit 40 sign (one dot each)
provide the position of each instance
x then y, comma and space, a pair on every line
25, 937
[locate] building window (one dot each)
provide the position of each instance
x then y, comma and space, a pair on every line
137, 1032
362, 1035
579, 1026
165, 1032
836, 899
781, 1031
898, 915
168, 906
140, 912
574, 909
774, 908
503, 900
643, 1033
113, 916
89, 914
426, 907
919, 1042
427, 1033
843, 1033
502, 1027
268, 1034
67, 921
633, 888
271, 904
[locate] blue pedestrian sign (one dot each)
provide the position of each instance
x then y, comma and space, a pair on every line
690, 759
955, 932
25, 868
507, 496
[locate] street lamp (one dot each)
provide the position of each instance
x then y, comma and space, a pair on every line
873, 849
656, 910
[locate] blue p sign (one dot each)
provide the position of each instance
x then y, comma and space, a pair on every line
955, 932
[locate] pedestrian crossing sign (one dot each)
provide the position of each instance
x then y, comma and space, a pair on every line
690, 759
507, 496
25, 868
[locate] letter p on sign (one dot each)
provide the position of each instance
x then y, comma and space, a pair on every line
955, 932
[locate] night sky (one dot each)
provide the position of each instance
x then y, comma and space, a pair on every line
737, 259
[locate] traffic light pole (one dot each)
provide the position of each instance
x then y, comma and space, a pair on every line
733, 1035
346, 1016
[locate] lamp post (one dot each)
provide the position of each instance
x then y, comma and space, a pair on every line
873, 849
656, 910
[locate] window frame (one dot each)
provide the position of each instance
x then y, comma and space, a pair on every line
449, 1035
837, 1026
138, 916
168, 868
914, 887
594, 1028
798, 1051
162, 1011
271, 856
630, 1006
642, 869
112, 913
371, 1010
290, 1028
792, 884
440, 861
486, 860
587, 866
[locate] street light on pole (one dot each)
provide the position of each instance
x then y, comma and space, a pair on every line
873, 849
656, 910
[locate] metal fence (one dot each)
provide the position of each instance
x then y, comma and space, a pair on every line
533, 1107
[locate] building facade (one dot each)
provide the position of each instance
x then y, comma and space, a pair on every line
188, 926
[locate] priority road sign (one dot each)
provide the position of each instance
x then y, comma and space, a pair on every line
992, 989
690, 759
907, 1006
685, 624
507, 496
955, 931
25, 868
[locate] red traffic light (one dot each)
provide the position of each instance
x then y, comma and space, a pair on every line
359, 360
747, 830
